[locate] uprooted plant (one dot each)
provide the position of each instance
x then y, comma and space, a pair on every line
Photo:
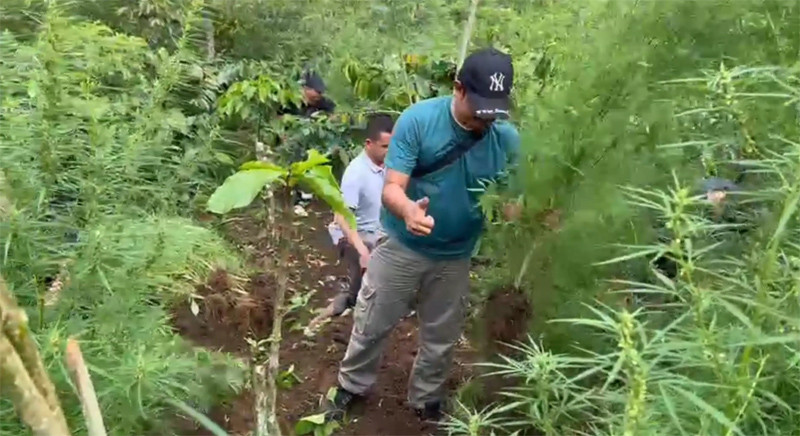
238, 191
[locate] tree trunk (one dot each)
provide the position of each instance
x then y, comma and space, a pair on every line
208, 25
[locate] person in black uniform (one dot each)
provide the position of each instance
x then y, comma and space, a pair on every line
722, 210
314, 99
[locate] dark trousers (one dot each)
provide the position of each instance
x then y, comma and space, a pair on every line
351, 259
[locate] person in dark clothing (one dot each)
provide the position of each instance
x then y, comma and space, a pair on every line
314, 99
313, 102
722, 211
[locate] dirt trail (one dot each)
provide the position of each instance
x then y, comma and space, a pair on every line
226, 314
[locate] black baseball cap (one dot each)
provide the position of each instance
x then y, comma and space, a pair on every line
717, 184
313, 80
487, 76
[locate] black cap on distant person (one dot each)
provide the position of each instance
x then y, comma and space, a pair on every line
312, 80
487, 76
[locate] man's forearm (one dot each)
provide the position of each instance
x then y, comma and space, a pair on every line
395, 200
351, 235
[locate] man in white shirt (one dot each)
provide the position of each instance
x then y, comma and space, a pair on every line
362, 185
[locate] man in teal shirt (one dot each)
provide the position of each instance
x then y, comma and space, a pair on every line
442, 153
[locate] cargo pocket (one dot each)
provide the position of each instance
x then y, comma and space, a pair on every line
382, 239
364, 306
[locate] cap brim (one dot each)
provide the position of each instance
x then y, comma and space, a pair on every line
489, 107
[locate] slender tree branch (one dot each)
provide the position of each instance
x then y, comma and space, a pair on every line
80, 376
462, 54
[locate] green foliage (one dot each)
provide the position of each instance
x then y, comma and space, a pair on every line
240, 189
595, 123
99, 162
315, 425
257, 99
711, 350
398, 82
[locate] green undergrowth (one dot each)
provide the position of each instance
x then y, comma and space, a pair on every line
105, 156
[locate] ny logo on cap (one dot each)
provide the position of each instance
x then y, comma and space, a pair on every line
497, 82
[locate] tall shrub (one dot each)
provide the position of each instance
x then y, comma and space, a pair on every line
712, 349
98, 163
592, 120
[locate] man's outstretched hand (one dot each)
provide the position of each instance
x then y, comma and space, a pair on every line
418, 222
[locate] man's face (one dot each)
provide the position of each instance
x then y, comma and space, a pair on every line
465, 113
311, 95
377, 148
716, 197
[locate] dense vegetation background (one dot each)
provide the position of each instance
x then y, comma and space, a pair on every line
118, 118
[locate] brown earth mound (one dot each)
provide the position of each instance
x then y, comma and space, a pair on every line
506, 313
226, 316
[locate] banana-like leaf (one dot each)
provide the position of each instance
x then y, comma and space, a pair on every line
320, 181
315, 158
260, 165
240, 189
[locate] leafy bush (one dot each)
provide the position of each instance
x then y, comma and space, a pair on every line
620, 347
99, 162
714, 349
597, 124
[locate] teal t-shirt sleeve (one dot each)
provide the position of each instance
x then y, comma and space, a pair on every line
404, 146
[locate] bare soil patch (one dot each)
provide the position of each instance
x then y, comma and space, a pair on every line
227, 315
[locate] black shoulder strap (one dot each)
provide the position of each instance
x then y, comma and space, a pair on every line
449, 157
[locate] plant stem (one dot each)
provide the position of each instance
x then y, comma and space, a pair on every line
264, 378
22, 373
467, 33
260, 404
14, 326
5, 202
80, 376
284, 235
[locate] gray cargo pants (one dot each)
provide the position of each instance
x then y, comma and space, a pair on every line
394, 276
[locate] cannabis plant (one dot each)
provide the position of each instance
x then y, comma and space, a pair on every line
98, 165
709, 346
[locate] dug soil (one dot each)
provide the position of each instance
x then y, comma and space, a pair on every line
232, 307
505, 315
